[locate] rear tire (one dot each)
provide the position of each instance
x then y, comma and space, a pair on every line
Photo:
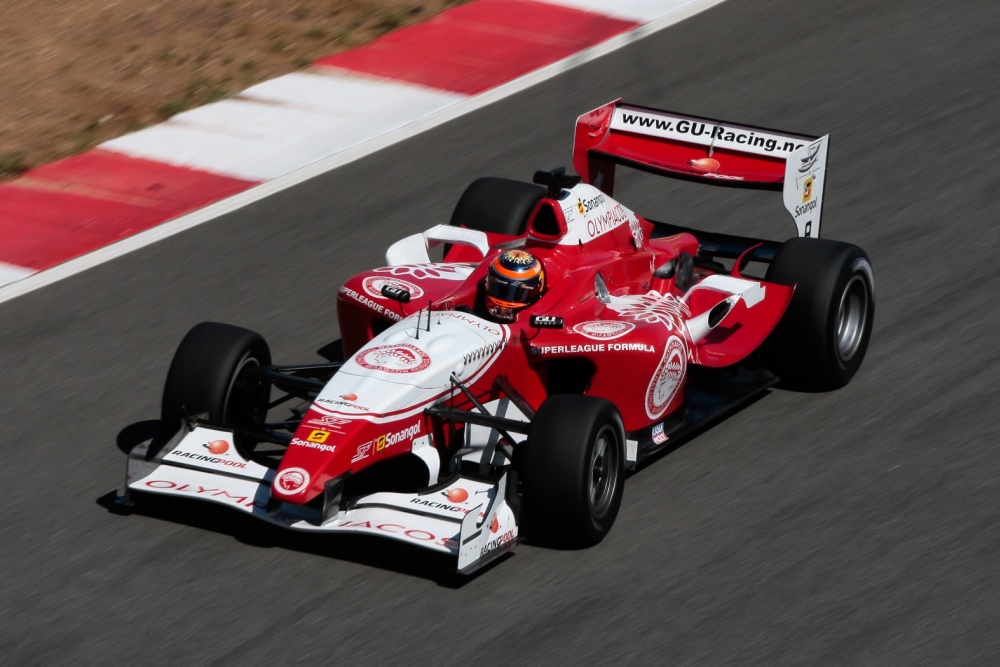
497, 205
573, 471
822, 339
208, 376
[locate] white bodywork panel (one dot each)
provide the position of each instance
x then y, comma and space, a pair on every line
467, 518
414, 249
805, 174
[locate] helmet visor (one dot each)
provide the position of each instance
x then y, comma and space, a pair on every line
511, 291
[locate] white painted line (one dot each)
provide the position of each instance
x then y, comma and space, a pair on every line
640, 11
10, 273
375, 144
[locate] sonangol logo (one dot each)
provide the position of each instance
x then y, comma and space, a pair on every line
374, 284
217, 447
603, 329
667, 378
292, 480
404, 358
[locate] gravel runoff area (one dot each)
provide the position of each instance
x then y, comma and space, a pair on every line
78, 72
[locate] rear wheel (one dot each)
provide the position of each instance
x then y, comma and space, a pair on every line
822, 339
573, 472
497, 205
209, 376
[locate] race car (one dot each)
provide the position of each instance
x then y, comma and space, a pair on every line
504, 389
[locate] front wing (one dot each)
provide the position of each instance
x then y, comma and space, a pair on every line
466, 518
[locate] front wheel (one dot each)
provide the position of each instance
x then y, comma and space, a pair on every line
822, 339
210, 375
573, 472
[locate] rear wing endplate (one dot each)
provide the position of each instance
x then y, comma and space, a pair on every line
705, 150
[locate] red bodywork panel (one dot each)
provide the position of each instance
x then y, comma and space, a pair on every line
626, 334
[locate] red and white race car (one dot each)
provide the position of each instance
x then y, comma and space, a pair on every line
562, 339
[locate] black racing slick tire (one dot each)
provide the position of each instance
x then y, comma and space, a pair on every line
497, 205
823, 336
573, 472
208, 376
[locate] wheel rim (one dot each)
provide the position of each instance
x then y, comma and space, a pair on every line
605, 462
852, 317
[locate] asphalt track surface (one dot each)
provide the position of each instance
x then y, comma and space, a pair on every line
856, 527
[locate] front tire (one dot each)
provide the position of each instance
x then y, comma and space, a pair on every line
822, 339
208, 376
573, 472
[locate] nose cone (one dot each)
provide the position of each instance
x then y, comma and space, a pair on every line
315, 456
373, 408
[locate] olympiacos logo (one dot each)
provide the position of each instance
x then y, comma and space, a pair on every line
603, 329
292, 480
374, 284
667, 378
404, 358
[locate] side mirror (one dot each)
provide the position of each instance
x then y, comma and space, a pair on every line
395, 293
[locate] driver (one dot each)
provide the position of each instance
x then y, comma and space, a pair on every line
514, 281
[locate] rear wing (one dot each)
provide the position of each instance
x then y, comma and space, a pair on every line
705, 150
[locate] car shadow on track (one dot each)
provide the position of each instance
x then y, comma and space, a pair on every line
388, 555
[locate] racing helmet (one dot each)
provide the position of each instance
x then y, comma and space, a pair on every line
514, 281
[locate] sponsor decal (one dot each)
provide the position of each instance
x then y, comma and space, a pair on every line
373, 286
604, 223
667, 377
379, 308
364, 450
441, 506
494, 524
805, 208
299, 442
401, 358
350, 404
633, 224
399, 529
697, 131
456, 495
590, 347
328, 423
217, 446
585, 206
447, 271
349, 397
705, 164
199, 490
497, 543
603, 329
204, 458
292, 480
809, 161
488, 327
724, 177
807, 190
390, 439
659, 437
318, 436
